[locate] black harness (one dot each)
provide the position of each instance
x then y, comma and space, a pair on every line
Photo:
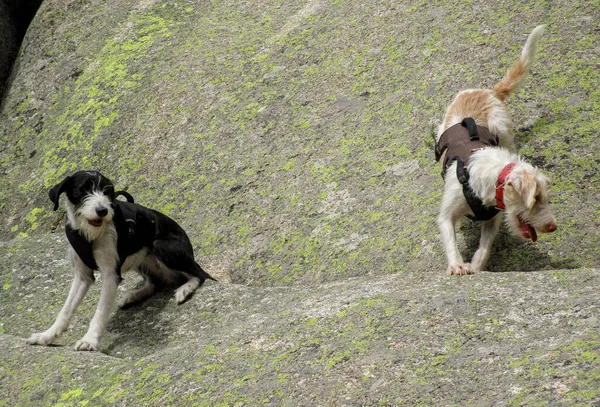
457, 143
136, 227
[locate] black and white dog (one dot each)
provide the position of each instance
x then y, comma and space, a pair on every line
114, 236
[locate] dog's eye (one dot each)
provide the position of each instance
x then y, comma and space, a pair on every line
109, 191
77, 195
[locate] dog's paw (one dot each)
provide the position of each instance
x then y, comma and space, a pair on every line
123, 304
41, 338
86, 345
460, 269
126, 301
182, 294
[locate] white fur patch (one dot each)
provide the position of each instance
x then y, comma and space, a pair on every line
133, 261
79, 217
184, 292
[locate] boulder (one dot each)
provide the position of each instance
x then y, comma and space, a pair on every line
294, 143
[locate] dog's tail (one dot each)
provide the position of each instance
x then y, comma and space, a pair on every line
515, 75
199, 272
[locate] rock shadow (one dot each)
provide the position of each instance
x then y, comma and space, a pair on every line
512, 254
141, 325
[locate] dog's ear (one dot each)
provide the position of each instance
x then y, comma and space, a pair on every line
530, 192
525, 185
56, 190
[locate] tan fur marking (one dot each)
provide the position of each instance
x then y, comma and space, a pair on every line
475, 104
511, 81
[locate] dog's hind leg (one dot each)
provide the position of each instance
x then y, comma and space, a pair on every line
183, 293
195, 278
84, 277
133, 297
178, 256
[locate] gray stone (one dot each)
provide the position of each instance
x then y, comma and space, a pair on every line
293, 141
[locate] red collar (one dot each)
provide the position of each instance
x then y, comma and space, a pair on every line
500, 185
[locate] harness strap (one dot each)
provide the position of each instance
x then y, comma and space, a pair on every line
457, 143
480, 211
126, 234
471, 126
126, 194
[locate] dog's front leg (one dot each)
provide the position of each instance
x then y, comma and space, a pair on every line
453, 207
106, 256
456, 265
489, 230
110, 282
83, 279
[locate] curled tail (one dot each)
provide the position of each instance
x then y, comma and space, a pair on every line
515, 75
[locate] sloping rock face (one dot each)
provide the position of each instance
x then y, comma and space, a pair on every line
411, 338
294, 143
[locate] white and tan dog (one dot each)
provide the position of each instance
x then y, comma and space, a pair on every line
495, 176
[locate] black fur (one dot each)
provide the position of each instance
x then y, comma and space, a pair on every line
137, 228
79, 184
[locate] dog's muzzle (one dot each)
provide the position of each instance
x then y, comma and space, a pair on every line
95, 222
101, 211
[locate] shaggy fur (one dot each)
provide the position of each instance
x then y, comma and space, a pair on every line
155, 246
526, 190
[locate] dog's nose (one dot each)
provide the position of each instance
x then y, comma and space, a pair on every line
101, 211
550, 227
